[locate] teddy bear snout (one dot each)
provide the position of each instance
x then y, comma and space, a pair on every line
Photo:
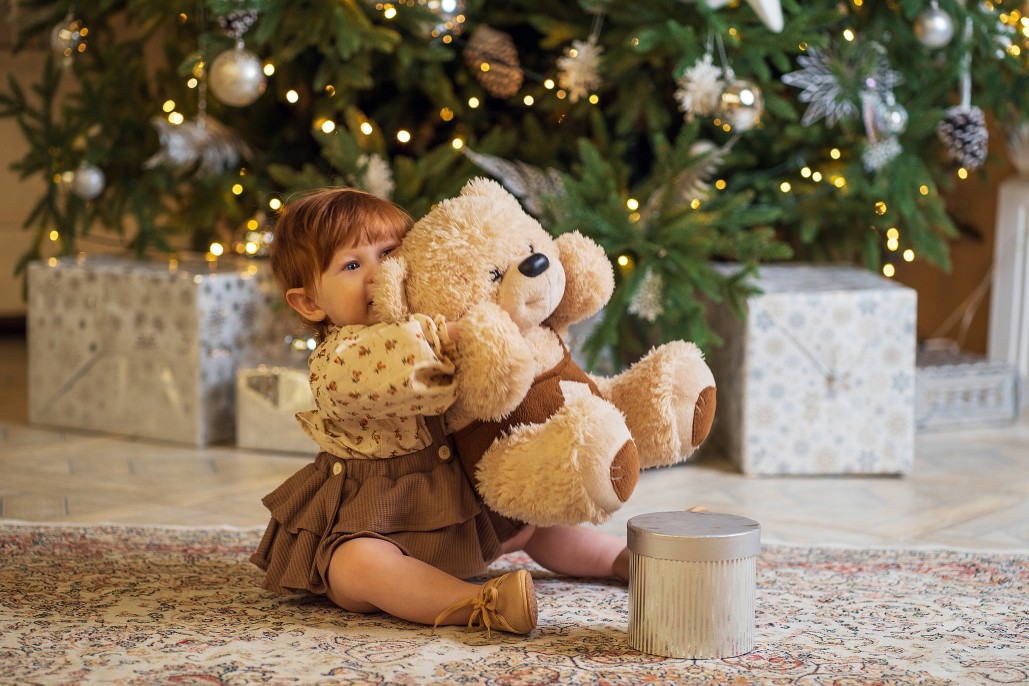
534, 265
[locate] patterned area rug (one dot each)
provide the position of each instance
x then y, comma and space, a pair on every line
154, 606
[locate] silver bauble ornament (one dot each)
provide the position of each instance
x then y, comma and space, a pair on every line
741, 104
237, 77
891, 118
451, 15
87, 181
68, 38
934, 27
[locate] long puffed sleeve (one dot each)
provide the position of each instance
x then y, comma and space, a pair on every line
373, 383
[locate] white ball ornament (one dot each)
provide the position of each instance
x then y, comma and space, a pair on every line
237, 77
88, 181
891, 118
934, 28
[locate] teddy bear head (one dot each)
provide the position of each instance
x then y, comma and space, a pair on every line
478, 247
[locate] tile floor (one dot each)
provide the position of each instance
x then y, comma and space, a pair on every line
969, 489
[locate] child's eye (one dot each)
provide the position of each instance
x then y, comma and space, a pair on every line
387, 251
497, 275
351, 266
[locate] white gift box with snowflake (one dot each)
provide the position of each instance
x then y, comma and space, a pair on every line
146, 349
820, 377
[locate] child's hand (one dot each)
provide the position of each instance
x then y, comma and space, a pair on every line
454, 330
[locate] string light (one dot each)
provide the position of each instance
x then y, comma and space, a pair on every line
923, 189
909, 255
457, 143
893, 233
848, 35
889, 270
328, 126
176, 118
473, 102
785, 186
390, 11
839, 182
366, 128
330, 90
275, 203
404, 136
549, 84
168, 106
962, 173
528, 100
269, 68
446, 114
806, 172
633, 204
192, 83
217, 249
880, 208
594, 99
892, 244
720, 184
835, 153
695, 204
624, 260
54, 235
816, 176
237, 189
292, 96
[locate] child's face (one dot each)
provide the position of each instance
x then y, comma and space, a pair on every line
343, 295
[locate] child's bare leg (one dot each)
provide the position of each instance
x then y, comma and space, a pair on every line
370, 574
579, 551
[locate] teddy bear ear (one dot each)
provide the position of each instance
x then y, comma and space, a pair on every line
482, 187
389, 296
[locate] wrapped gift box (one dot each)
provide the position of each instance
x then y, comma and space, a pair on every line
959, 390
146, 349
820, 376
267, 401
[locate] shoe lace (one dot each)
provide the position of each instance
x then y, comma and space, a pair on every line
484, 608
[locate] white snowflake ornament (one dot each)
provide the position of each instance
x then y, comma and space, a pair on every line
378, 177
579, 68
700, 88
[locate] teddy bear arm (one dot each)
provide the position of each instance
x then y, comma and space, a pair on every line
494, 365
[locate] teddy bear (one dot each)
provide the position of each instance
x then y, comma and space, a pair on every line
570, 451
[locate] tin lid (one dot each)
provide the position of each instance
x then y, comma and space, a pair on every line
694, 536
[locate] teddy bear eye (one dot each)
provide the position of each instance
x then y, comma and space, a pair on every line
497, 275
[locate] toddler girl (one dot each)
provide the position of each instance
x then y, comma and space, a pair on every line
384, 518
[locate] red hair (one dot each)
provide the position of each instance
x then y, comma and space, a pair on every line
313, 227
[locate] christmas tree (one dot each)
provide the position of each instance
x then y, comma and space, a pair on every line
675, 133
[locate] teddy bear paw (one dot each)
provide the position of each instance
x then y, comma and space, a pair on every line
703, 416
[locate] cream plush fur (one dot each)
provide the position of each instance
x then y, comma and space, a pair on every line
481, 259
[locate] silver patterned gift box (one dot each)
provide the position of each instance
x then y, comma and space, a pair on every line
146, 349
960, 390
820, 377
268, 398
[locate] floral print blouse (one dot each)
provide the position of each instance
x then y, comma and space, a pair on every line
373, 384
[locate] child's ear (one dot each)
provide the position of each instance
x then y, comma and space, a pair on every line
304, 304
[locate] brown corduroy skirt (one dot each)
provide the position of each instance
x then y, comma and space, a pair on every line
422, 504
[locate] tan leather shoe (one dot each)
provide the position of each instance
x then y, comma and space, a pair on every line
506, 603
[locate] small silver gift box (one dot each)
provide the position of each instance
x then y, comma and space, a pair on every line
692, 584
267, 401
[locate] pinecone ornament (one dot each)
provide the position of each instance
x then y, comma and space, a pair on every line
963, 131
493, 58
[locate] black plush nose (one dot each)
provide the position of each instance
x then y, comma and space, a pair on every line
534, 265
